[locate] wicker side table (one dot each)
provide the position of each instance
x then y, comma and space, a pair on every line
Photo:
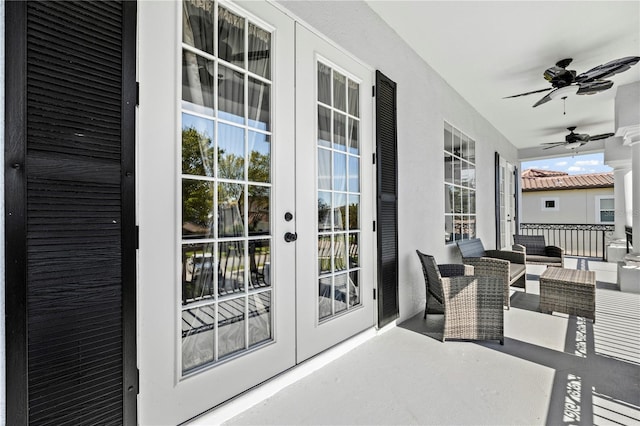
568, 291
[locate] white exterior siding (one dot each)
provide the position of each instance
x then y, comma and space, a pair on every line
573, 206
425, 101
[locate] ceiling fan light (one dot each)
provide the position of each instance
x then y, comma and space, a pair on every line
563, 92
573, 145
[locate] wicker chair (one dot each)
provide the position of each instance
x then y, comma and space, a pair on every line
537, 252
472, 305
509, 266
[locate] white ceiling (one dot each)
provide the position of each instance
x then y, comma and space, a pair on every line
489, 50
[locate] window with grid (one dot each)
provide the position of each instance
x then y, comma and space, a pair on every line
605, 209
459, 185
338, 161
226, 288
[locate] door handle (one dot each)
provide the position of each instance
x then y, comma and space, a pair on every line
290, 237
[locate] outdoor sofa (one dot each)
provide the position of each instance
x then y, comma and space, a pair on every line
509, 266
537, 252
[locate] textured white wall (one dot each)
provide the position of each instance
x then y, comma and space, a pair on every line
576, 206
425, 101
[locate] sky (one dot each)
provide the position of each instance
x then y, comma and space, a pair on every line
574, 165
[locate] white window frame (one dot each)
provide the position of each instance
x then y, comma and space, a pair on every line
556, 203
599, 209
468, 159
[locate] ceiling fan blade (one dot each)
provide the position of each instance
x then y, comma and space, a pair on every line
528, 93
602, 136
544, 100
553, 143
593, 87
553, 146
607, 70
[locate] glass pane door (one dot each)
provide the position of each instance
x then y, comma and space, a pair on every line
216, 285
226, 185
335, 247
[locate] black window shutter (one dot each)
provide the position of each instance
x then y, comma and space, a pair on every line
70, 218
387, 198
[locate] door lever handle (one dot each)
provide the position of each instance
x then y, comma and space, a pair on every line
290, 237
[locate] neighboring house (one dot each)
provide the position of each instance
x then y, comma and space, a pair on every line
557, 197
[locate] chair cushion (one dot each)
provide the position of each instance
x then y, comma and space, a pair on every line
543, 259
516, 270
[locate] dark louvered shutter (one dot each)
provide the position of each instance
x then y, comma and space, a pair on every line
70, 216
387, 164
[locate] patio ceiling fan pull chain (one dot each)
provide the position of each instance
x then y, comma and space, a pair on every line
564, 105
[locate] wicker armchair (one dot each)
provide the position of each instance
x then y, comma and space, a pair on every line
537, 252
509, 266
472, 305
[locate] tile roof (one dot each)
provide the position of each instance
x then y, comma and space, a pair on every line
547, 180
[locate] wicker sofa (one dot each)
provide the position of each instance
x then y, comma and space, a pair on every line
537, 252
509, 266
472, 305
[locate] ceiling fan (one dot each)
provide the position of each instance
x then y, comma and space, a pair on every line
576, 140
565, 82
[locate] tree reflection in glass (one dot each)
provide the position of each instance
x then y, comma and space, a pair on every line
197, 146
197, 209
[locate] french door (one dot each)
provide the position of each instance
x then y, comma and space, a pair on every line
252, 233
334, 176
507, 187
216, 279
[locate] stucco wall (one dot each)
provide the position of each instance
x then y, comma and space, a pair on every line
574, 206
425, 101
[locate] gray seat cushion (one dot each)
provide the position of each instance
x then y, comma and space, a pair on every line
543, 259
516, 270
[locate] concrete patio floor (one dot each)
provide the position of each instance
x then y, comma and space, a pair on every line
553, 370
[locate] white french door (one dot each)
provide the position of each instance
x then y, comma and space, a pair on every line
231, 160
216, 284
507, 204
334, 195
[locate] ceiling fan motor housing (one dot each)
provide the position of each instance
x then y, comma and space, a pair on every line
559, 77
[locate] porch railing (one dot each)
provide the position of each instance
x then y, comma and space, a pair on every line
585, 240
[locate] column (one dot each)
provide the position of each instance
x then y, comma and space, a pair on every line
635, 183
621, 203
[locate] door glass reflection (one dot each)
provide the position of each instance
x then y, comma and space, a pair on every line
197, 83
259, 157
230, 37
230, 210
259, 51
324, 298
339, 91
231, 334
230, 95
340, 293
230, 267
259, 102
198, 25
259, 318
197, 146
259, 264
258, 210
197, 272
197, 209
197, 337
